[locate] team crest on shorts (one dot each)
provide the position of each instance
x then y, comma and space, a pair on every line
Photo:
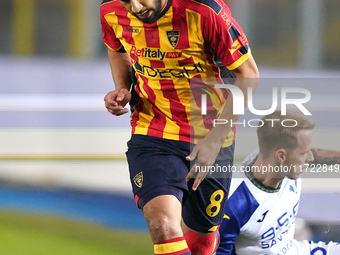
138, 179
173, 37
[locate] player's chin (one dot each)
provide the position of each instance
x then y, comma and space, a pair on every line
149, 20
294, 176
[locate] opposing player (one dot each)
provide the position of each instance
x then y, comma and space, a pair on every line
261, 210
173, 45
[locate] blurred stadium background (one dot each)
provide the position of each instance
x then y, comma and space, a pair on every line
64, 186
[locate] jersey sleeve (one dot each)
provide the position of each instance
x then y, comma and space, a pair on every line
309, 247
240, 207
229, 230
226, 37
108, 35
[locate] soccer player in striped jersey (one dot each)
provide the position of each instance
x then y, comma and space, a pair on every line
261, 210
173, 45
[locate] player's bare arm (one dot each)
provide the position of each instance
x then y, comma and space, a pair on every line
116, 100
208, 148
328, 157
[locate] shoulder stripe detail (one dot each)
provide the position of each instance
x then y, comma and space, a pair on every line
243, 204
234, 33
212, 4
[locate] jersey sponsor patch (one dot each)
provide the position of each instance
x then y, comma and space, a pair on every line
236, 45
161, 73
153, 53
225, 17
132, 30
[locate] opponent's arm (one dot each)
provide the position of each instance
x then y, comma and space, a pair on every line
328, 157
116, 100
228, 235
234, 219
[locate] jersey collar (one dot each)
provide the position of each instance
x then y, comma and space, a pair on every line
165, 8
257, 183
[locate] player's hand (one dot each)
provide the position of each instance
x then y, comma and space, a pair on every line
116, 100
205, 152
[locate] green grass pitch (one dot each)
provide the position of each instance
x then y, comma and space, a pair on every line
28, 234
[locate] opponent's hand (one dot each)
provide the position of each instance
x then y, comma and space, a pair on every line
205, 152
116, 100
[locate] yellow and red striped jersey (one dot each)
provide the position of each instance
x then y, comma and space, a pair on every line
184, 45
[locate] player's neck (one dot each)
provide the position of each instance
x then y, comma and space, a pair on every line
265, 172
